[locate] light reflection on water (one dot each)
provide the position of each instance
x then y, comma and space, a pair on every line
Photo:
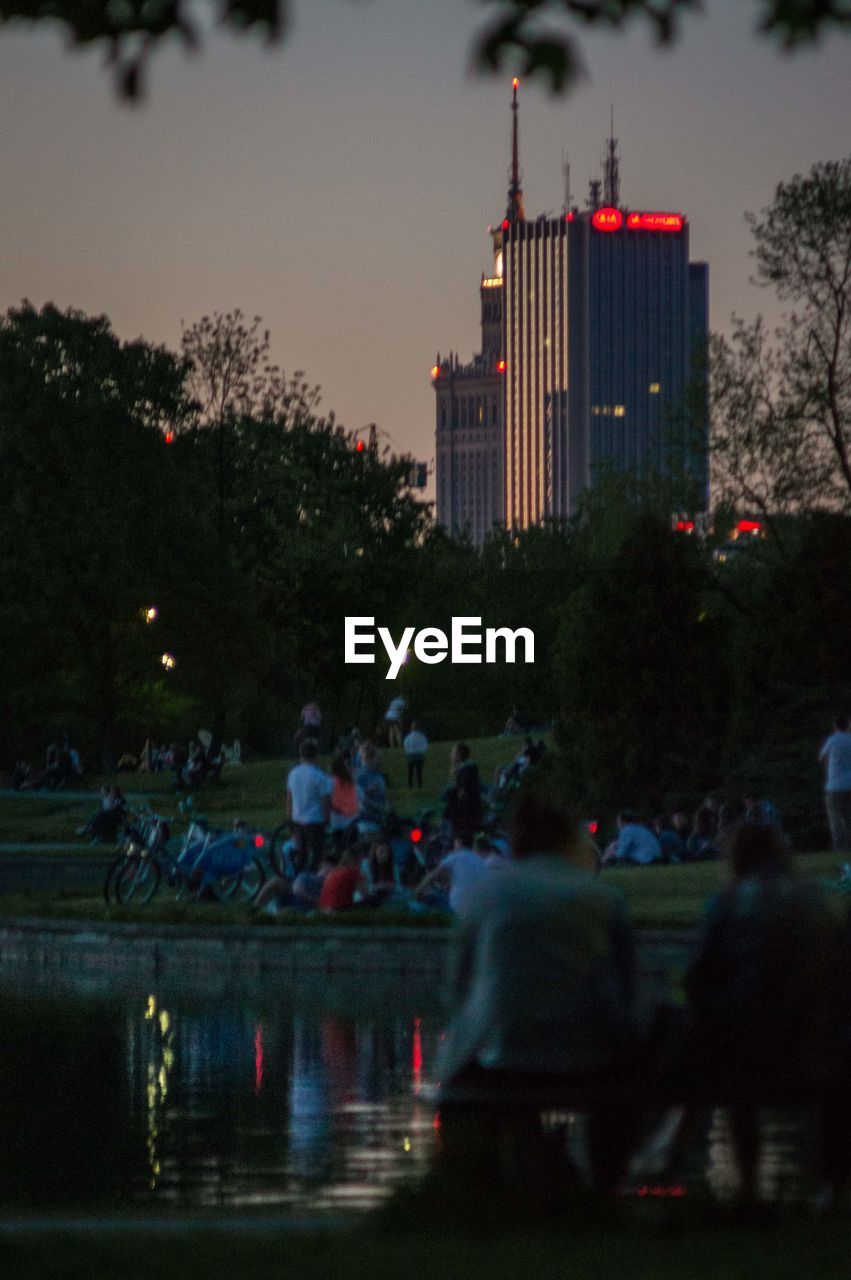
292, 1109
250, 1102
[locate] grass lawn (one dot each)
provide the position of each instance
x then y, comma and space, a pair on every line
254, 792
658, 896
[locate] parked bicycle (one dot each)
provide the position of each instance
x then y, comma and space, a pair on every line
210, 863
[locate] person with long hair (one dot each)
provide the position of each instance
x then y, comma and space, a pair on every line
761, 1010
344, 797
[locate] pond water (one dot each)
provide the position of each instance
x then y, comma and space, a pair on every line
248, 1101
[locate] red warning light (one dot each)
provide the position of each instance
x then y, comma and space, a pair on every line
749, 526
607, 219
416, 835
259, 841
505, 224
655, 221
592, 828
500, 366
684, 526
568, 217
359, 446
169, 437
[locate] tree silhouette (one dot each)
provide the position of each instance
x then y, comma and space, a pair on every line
534, 35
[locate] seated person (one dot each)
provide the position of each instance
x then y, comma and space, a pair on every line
341, 884
761, 811
464, 868
380, 874
673, 849
762, 1022
103, 826
543, 982
702, 845
636, 844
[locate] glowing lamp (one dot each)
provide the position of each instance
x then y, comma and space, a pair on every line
592, 828
359, 446
505, 224
749, 526
685, 526
259, 841
169, 662
500, 366
416, 835
435, 370
169, 437
607, 219
515, 82
568, 217
150, 614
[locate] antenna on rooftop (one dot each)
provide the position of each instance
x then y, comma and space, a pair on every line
611, 174
565, 173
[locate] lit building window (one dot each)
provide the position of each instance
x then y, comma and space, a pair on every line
619, 410
655, 388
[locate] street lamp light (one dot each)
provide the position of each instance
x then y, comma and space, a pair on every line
169, 662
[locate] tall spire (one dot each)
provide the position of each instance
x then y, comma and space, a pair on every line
515, 212
611, 175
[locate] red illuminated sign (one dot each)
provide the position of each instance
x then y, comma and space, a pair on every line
654, 221
607, 219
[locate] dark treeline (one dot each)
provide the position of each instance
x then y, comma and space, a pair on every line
210, 487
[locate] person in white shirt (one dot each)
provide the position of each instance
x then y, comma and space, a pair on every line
836, 753
393, 720
465, 870
309, 805
415, 747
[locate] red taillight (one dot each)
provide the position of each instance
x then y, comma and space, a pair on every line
416, 835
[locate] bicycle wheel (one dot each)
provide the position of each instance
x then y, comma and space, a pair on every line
110, 878
225, 886
253, 879
137, 881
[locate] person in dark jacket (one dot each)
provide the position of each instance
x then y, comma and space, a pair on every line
760, 990
463, 797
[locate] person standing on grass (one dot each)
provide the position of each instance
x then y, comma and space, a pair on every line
309, 804
393, 720
415, 747
463, 797
371, 791
836, 753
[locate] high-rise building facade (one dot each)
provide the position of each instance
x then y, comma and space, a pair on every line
596, 364
469, 449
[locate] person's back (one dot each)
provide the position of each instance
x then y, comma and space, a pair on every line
759, 985
307, 785
466, 870
371, 789
544, 976
638, 844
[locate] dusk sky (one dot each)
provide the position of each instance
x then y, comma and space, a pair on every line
341, 185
